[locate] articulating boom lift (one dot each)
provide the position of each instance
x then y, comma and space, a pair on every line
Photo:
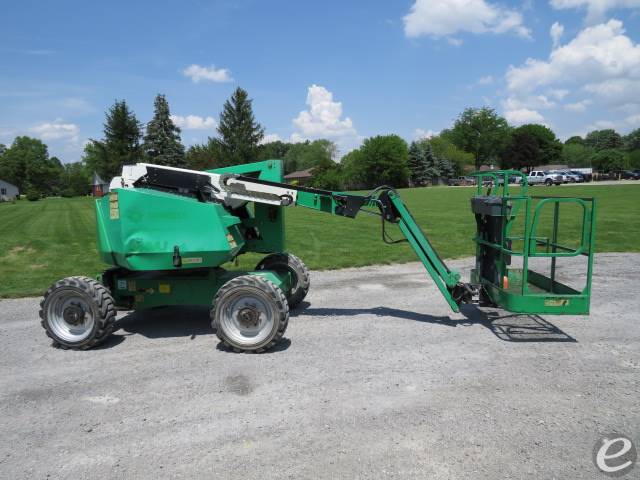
167, 231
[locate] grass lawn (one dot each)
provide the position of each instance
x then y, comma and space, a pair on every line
41, 242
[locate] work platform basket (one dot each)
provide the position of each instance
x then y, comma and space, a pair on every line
540, 234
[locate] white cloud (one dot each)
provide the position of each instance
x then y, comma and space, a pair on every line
617, 91
558, 93
323, 119
271, 137
56, 130
194, 122
578, 107
556, 32
601, 59
456, 42
531, 102
633, 120
595, 74
199, 73
601, 125
523, 115
488, 80
420, 133
596, 9
447, 17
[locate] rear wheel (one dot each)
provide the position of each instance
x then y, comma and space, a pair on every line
250, 313
300, 279
77, 313
548, 182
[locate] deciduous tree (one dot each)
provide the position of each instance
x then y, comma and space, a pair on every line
632, 140
609, 160
576, 155
575, 140
27, 165
383, 160
522, 152
445, 149
549, 147
305, 155
77, 180
603, 139
481, 132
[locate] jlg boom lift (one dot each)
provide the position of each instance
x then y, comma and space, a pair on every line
167, 231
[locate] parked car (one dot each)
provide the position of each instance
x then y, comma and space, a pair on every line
631, 175
565, 178
580, 177
462, 181
515, 179
586, 177
540, 177
573, 177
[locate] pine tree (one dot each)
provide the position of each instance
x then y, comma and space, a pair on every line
417, 164
162, 142
121, 144
445, 167
240, 134
432, 166
121, 138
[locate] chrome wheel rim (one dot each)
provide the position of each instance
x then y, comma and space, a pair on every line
247, 319
70, 315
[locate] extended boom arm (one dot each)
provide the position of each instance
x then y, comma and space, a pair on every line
391, 209
234, 190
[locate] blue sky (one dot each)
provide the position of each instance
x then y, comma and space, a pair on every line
333, 69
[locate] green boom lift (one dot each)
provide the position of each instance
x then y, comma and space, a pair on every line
167, 231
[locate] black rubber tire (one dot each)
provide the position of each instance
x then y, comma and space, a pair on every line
251, 285
286, 262
548, 183
102, 305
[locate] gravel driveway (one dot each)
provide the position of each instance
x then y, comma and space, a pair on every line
376, 379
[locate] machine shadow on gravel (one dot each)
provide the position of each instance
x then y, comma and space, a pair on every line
195, 321
169, 322
506, 326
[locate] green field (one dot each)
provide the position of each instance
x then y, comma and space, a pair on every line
43, 241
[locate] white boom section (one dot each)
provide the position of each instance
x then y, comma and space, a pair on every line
231, 191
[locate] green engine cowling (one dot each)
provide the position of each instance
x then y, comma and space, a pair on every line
141, 229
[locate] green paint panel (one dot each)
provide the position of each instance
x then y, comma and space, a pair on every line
138, 229
140, 290
267, 219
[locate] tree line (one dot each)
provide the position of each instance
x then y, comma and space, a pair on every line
479, 136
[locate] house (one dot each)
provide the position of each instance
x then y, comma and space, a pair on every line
301, 177
483, 168
99, 187
8, 191
552, 167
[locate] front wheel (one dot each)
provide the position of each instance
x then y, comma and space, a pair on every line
548, 182
249, 314
77, 313
300, 279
